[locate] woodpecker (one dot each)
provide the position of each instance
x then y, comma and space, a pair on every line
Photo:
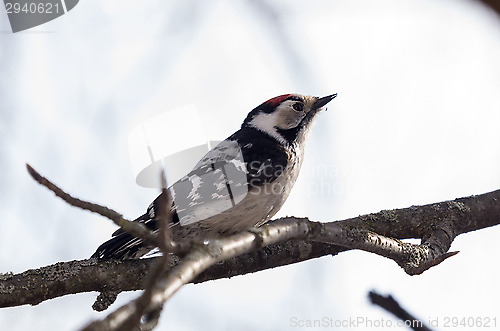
241, 183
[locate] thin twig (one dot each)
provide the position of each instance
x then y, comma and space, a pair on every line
134, 228
133, 315
137, 314
200, 258
166, 243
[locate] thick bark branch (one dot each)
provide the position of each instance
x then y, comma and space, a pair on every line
437, 224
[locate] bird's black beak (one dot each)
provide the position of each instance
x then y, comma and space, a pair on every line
323, 101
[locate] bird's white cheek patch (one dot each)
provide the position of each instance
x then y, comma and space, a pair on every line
267, 124
291, 121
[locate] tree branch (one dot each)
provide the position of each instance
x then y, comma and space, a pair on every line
134, 228
437, 224
139, 313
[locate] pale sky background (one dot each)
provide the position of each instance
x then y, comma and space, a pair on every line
416, 121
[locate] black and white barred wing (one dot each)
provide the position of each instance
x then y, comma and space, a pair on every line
217, 183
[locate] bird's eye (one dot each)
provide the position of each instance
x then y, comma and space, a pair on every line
298, 106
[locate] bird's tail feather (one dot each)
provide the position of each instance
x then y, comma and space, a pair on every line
122, 245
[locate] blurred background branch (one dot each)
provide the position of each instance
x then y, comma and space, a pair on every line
493, 4
392, 306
